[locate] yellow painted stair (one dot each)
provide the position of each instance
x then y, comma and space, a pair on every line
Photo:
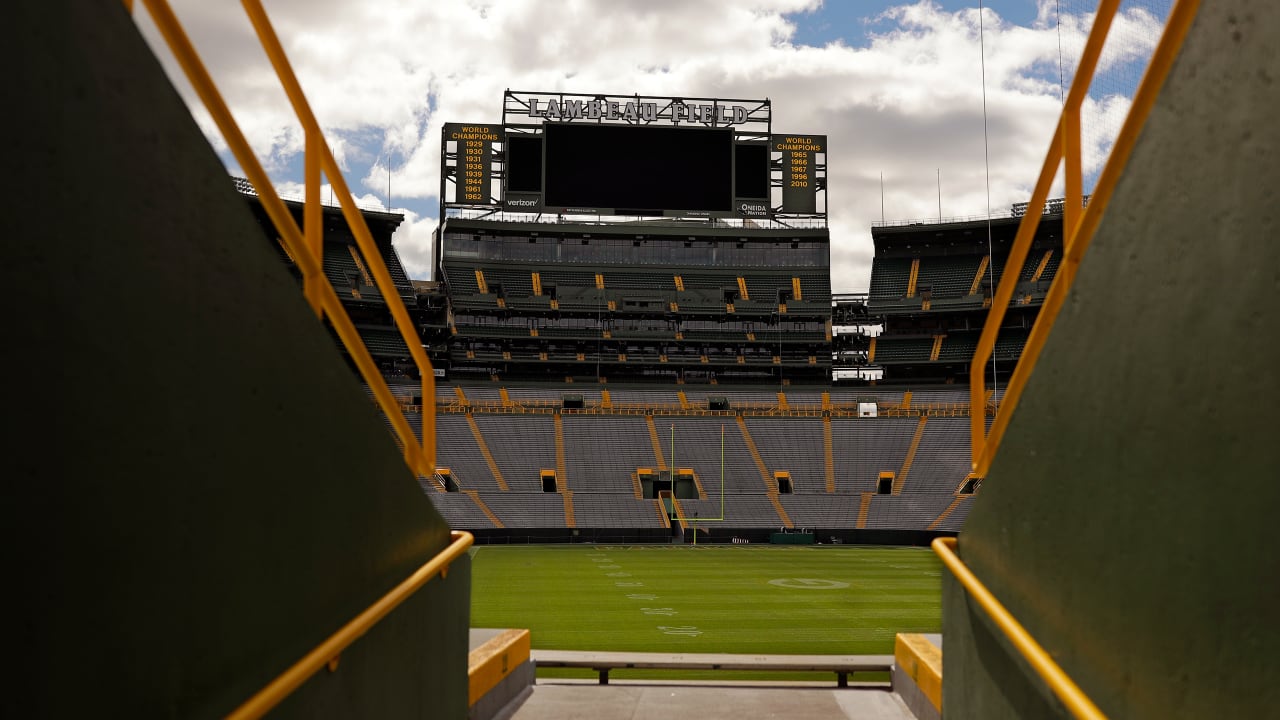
657, 443
484, 452
864, 508
828, 449
901, 479
475, 497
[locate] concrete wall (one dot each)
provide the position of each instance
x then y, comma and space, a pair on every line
1128, 518
197, 491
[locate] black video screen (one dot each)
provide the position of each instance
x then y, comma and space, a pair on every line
524, 163
751, 171
625, 167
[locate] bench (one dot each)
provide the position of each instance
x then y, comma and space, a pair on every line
603, 662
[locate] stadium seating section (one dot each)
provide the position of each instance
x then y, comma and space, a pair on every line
349, 272
718, 369
932, 285
565, 302
496, 449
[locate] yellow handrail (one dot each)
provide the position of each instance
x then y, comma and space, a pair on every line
327, 652
419, 453
1058, 681
1078, 228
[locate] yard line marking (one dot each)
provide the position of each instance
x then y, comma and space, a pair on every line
808, 583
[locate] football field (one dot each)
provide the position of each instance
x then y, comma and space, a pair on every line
723, 598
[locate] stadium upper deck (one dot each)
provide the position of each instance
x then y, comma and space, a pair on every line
931, 286
699, 303
633, 238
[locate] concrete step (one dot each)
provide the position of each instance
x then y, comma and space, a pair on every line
651, 701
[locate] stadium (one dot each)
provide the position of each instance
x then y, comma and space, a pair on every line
628, 454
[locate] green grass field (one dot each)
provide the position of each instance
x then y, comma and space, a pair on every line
724, 598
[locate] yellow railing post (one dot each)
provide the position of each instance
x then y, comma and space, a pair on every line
1079, 223
425, 453
1176, 27
1074, 182
1004, 293
312, 217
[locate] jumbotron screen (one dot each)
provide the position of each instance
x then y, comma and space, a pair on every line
625, 167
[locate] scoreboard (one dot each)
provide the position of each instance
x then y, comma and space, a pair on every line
633, 156
475, 151
799, 170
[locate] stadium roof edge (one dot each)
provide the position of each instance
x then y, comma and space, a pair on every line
922, 226
246, 189
621, 230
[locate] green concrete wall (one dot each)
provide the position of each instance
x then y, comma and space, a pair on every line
1128, 517
197, 491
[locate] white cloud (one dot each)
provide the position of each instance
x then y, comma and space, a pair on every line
385, 76
413, 244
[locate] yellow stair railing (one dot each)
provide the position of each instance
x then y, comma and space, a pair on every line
305, 244
1078, 224
1058, 681
329, 652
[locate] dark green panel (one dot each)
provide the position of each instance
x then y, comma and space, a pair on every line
1127, 519
197, 490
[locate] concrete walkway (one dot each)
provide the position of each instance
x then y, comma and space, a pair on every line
647, 701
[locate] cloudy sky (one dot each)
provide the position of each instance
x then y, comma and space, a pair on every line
897, 87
